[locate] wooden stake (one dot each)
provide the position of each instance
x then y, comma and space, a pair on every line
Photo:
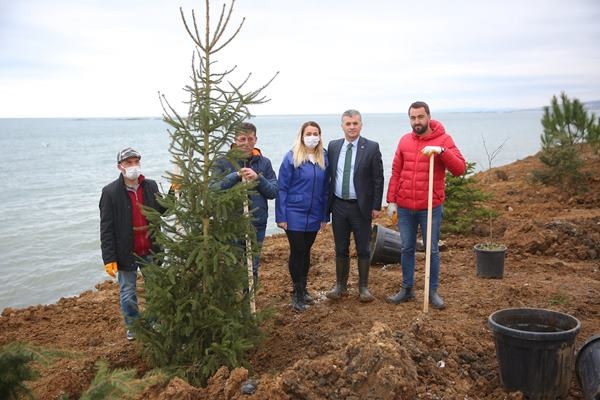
428, 244
251, 288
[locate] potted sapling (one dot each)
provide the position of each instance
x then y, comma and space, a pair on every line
490, 255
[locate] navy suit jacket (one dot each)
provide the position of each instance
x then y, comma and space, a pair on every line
368, 174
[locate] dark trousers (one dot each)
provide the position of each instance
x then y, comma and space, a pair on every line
299, 261
345, 219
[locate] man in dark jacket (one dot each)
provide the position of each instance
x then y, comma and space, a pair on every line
124, 235
356, 190
255, 167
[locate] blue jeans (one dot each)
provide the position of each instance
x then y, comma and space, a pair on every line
127, 292
408, 223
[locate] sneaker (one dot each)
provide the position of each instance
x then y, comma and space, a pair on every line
130, 335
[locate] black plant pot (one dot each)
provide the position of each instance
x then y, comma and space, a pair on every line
490, 260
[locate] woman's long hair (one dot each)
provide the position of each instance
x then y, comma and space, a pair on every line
300, 150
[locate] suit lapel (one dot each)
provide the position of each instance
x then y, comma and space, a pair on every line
336, 147
360, 148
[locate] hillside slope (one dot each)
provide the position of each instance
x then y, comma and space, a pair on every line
350, 350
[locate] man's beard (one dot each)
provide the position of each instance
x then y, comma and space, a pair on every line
419, 129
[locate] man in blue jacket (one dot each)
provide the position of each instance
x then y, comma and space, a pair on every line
255, 167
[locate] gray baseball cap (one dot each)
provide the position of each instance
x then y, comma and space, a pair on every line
127, 153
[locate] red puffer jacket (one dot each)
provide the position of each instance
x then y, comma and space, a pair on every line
409, 183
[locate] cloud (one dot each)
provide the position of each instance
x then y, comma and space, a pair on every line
110, 58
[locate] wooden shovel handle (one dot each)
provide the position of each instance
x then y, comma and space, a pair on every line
251, 288
428, 244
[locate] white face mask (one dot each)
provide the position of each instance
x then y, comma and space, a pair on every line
133, 172
311, 141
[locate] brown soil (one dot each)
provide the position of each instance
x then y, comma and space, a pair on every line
350, 350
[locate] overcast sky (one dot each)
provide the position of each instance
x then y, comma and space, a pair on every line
110, 58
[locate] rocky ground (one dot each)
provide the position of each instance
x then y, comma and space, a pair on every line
350, 350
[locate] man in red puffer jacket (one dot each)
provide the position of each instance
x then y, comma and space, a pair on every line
408, 189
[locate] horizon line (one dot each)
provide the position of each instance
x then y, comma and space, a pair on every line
593, 105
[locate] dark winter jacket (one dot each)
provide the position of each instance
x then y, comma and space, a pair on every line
266, 188
368, 174
116, 224
303, 195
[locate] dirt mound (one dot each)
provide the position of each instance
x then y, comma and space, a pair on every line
350, 350
374, 365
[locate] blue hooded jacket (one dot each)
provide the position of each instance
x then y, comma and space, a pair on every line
302, 197
265, 190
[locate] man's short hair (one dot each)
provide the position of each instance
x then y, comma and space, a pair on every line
247, 127
351, 113
420, 104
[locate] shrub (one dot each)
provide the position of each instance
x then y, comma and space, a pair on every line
566, 126
464, 203
14, 371
120, 384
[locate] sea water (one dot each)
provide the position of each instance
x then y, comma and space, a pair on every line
54, 171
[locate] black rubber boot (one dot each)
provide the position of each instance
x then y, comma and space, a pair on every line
305, 296
363, 281
435, 300
297, 298
405, 294
342, 269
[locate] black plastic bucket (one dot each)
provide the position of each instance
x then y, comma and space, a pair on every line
535, 350
587, 365
386, 245
490, 263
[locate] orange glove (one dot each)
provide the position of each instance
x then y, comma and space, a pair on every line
111, 269
175, 185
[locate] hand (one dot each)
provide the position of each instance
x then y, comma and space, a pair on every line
375, 213
392, 208
247, 174
323, 225
173, 188
282, 225
175, 185
111, 269
429, 150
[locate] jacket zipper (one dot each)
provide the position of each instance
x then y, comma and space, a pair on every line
311, 196
414, 178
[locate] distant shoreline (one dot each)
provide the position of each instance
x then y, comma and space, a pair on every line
592, 106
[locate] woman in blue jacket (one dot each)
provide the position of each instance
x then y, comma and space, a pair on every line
301, 204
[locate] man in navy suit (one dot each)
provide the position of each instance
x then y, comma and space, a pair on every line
356, 191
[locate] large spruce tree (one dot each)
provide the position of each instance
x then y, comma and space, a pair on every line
197, 315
